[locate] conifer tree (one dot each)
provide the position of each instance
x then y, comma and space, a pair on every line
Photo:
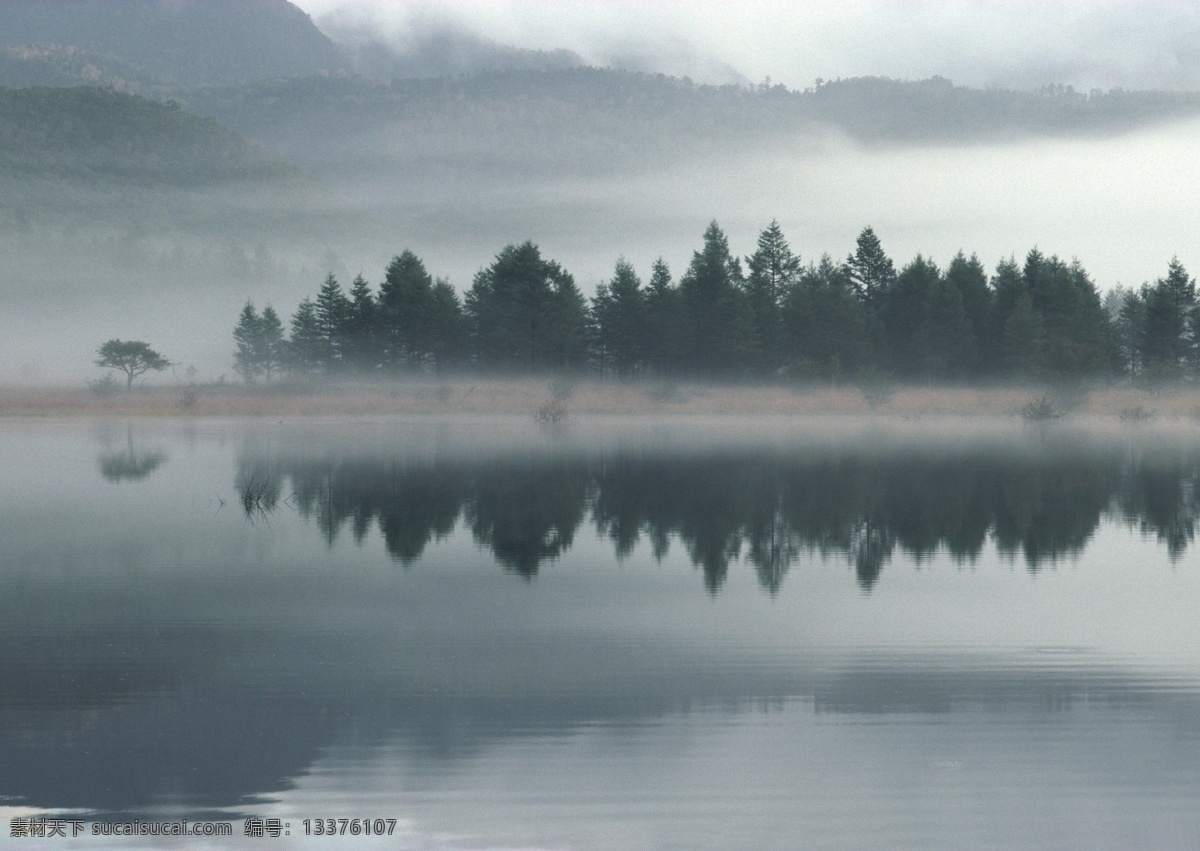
246, 336
968, 276
1167, 339
870, 269
772, 271
1126, 309
306, 346
526, 313
1023, 339
405, 300
270, 347
333, 313
362, 328
825, 324
715, 312
445, 326
950, 339
904, 311
619, 314
663, 321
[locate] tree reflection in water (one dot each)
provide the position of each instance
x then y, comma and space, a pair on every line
766, 507
129, 464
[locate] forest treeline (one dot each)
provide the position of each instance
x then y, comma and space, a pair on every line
766, 316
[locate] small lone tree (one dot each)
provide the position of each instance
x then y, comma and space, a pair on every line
132, 357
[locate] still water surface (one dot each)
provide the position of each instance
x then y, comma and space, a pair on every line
625, 634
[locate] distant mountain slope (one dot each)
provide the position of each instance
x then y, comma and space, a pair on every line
594, 121
103, 136
186, 41
50, 65
443, 51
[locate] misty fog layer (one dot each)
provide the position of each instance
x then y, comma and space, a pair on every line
1123, 206
1003, 43
120, 217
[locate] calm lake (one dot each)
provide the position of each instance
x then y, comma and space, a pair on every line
627, 634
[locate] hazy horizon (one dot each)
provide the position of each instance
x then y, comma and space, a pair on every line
1004, 43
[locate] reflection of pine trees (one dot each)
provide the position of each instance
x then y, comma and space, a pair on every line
411, 504
765, 508
527, 511
1160, 493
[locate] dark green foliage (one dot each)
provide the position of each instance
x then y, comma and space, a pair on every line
950, 347
333, 313
904, 308
306, 346
1023, 340
271, 347
405, 302
825, 324
525, 313
1127, 315
447, 332
664, 325
1078, 338
970, 279
362, 329
1167, 339
927, 330
715, 310
619, 313
245, 335
773, 270
132, 357
870, 270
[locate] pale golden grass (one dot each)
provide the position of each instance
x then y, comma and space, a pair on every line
523, 397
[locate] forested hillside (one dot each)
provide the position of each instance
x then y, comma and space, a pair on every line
588, 120
185, 41
99, 135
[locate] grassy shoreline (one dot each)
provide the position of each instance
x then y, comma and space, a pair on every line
524, 397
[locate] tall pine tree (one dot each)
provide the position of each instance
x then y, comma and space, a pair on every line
772, 271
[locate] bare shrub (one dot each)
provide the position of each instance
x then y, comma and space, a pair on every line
877, 388
1137, 414
1042, 409
551, 413
105, 387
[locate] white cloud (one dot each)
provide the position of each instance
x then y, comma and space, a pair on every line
1002, 42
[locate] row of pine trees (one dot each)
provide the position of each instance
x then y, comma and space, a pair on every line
771, 317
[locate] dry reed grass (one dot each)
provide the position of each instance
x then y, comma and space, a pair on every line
523, 397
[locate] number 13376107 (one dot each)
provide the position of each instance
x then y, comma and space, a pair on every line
349, 827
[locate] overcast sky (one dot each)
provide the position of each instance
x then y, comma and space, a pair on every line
1011, 43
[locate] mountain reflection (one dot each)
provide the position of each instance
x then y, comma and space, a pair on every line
765, 507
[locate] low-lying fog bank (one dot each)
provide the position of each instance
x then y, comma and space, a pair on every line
557, 401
